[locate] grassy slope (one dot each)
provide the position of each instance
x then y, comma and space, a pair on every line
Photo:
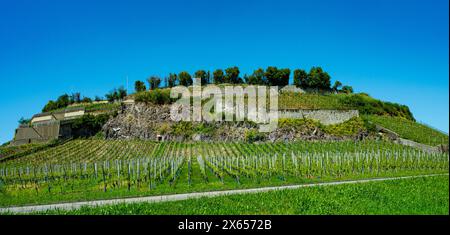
410, 130
407, 196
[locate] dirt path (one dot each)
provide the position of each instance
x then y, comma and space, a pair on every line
177, 197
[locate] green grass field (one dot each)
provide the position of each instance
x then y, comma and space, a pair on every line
410, 130
417, 196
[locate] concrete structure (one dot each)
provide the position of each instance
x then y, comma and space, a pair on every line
47, 126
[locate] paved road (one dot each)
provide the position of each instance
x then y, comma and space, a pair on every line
177, 197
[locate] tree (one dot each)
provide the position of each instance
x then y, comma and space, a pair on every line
232, 75
277, 77
23, 121
139, 86
51, 105
122, 93
172, 80
257, 78
185, 78
271, 75
153, 82
112, 95
86, 100
218, 76
98, 98
336, 86
75, 98
116, 94
318, 79
202, 75
347, 89
300, 78
63, 101
283, 77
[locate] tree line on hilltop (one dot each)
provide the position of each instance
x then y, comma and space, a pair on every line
316, 79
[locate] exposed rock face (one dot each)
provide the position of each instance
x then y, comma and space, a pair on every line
137, 121
153, 122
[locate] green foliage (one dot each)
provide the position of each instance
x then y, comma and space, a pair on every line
257, 78
277, 77
62, 102
23, 121
75, 98
203, 75
185, 78
336, 86
2, 187
86, 100
368, 105
158, 96
292, 100
116, 94
203, 128
218, 76
348, 128
89, 125
164, 128
347, 89
139, 86
101, 107
361, 102
298, 124
99, 136
153, 82
253, 135
232, 75
410, 130
300, 78
172, 80
183, 129
317, 78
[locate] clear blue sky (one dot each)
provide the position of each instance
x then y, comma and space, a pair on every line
393, 50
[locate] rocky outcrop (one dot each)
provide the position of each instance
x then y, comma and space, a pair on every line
137, 121
153, 122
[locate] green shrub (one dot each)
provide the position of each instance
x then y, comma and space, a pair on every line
183, 129
165, 128
203, 128
253, 135
348, 128
89, 125
297, 123
157, 96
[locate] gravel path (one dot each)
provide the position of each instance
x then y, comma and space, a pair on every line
177, 197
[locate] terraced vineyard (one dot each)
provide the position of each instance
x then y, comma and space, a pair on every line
410, 130
88, 169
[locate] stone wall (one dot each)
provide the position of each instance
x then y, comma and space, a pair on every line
326, 117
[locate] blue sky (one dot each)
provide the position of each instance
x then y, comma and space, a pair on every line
394, 50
